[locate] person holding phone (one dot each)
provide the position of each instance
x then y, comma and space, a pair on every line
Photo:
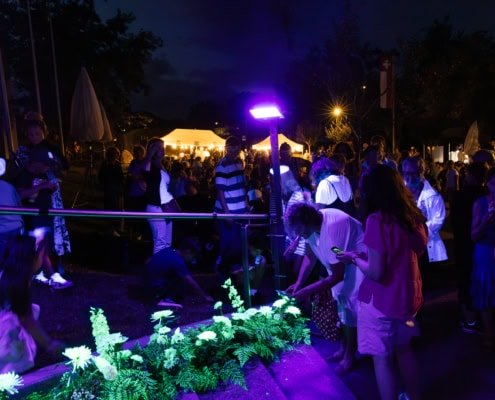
324, 229
391, 294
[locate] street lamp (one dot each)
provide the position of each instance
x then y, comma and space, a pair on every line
272, 114
337, 111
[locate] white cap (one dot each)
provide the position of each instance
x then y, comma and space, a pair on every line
3, 165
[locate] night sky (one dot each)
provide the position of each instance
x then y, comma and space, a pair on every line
215, 48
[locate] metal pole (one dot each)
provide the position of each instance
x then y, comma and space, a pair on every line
276, 227
57, 91
33, 52
5, 109
245, 266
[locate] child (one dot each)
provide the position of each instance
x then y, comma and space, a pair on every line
21, 329
167, 273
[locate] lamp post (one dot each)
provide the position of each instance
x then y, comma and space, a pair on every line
272, 115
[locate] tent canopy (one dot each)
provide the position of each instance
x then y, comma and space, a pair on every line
193, 137
265, 144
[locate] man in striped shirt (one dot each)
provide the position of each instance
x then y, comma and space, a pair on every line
231, 199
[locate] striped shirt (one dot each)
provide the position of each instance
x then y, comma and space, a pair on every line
296, 197
229, 177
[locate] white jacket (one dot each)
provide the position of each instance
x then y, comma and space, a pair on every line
431, 204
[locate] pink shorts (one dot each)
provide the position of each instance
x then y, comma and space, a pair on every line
379, 335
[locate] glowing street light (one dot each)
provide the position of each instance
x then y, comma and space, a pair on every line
337, 111
271, 113
266, 112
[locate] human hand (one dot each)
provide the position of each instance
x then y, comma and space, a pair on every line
293, 288
347, 256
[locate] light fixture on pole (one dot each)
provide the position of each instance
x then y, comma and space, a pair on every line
272, 114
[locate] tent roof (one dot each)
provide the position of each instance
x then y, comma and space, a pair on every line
193, 137
265, 144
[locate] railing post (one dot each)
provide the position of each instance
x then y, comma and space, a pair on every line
245, 265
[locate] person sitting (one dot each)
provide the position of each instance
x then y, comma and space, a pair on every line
20, 329
167, 273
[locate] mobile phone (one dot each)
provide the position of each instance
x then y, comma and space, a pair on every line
336, 250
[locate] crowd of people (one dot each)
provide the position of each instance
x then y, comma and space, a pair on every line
362, 233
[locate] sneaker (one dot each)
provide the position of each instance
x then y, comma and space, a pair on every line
168, 303
115, 233
41, 278
470, 327
58, 282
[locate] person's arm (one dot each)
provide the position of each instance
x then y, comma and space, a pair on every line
307, 266
372, 265
35, 329
330, 281
28, 192
223, 201
435, 214
190, 281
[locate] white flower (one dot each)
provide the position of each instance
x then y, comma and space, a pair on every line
79, 356
177, 336
217, 305
137, 358
207, 335
250, 312
108, 370
240, 316
266, 311
9, 382
293, 310
279, 303
125, 353
170, 358
161, 314
222, 320
164, 330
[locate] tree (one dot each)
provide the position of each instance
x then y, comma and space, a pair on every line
447, 80
308, 133
114, 55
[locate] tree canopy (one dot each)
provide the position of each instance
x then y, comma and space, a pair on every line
113, 54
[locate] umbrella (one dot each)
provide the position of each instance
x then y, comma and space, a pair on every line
107, 129
86, 119
471, 143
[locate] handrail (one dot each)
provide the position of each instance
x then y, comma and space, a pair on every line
61, 212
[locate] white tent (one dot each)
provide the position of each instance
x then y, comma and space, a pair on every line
193, 137
265, 144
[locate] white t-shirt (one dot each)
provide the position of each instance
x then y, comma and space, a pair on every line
341, 230
333, 187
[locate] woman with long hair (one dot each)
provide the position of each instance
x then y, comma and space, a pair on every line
20, 329
40, 166
391, 294
158, 197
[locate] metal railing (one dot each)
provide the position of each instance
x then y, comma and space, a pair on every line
59, 212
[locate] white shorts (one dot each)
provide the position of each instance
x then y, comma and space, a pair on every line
379, 335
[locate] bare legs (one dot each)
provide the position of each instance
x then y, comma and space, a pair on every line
385, 373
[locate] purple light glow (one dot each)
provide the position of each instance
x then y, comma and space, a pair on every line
266, 112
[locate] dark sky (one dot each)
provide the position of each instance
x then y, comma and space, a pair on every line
214, 48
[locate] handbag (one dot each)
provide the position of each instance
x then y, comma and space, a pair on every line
171, 207
325, 315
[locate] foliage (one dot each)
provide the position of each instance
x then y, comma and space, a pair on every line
198, 359
112, 51
447, 80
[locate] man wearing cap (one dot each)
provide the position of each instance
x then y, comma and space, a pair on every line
230, 186
10, 224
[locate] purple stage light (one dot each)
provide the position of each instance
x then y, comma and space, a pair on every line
266, 112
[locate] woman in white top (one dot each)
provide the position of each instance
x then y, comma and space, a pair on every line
334, 189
